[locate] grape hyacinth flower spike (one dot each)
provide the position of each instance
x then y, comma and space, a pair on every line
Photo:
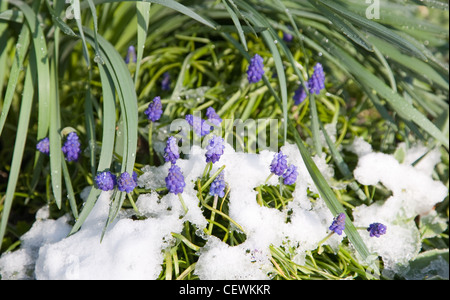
217, 187
105, 181
154, 109
255, 70
300, 94
212, 116
165, 83
175, 183
376, 229
171, 152
43, 146
72, 147
316, 82
290, 176
131, 55
214, 149
200, 126
278, 165
338, 224
126, 182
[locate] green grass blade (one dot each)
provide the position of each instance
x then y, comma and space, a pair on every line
170, 4
143, 20
375, 28
397, 102
19, 147
347, 28
237, 24
21, 50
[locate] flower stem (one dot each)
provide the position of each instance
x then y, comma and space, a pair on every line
182, 203
150, 146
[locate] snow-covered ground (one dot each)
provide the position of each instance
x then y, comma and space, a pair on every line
134, 249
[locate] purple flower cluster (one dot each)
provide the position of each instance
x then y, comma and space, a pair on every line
338, 224
212, 116
218, 186
175, 180
376, 229
165, 83
154, 109
126, 182
131, 55
316, 82
72, 147
43, 146
201, 127
255, 70
105, 181
214, 150
279, 164
290, 176
300, 94
279, 167
171, 152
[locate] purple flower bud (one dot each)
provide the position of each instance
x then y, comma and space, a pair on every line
279, 164
175, 180
71, 147
131, 54
218, 186
255, 70
126, 183
171, 151
376, 229
338, 224
215, 149
43, 145
105, 181
154, 110
290, 176
316, 82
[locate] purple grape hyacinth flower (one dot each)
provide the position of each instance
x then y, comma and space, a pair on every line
72, 147
201, 127
214, 150
290, 176
218, 186
300, 94
171, 151
376, 229
105, 181
316, 82
131, 55
154, 109
43, 146
279, 164
255, 70
175, 180
212, 116
165, 83
338, 224
126, 183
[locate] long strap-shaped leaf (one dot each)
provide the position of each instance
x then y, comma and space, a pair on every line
19, 147
115, 72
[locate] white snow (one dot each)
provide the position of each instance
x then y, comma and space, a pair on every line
134, 249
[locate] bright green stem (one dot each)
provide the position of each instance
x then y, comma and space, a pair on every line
182, 203
150, 146
213, 214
